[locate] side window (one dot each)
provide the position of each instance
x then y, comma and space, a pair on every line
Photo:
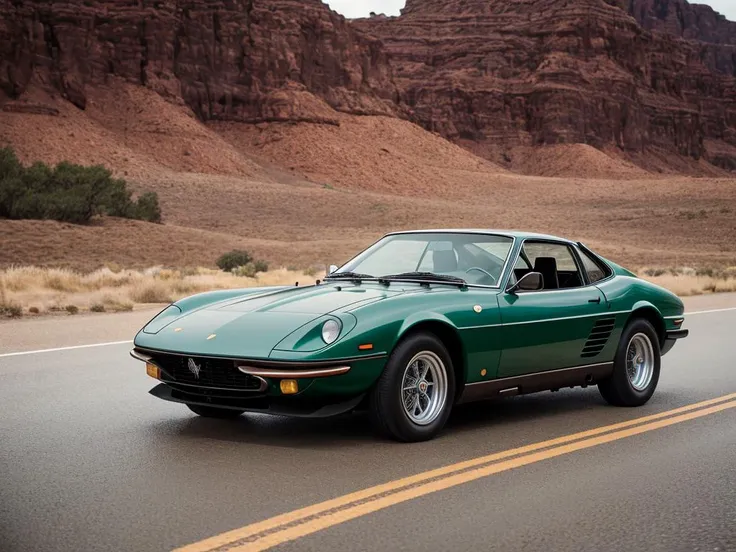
595, 272
556, 263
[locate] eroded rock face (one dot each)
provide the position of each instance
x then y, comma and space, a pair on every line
680, 18
530, 72
244, 60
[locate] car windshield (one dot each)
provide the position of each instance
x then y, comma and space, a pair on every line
477, 259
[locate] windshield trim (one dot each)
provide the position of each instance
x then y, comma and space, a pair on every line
504, 269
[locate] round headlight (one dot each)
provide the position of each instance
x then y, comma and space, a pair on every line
330, 331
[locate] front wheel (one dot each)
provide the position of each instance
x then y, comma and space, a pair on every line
214, 412
413, 398
636, 366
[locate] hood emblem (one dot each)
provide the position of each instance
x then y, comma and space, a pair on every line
194, 368
211, 336
178, 329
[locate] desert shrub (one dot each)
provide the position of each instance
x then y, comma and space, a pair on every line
68, 192
233, 259
97, 307
154, 292
72, 309
34, 310
245, 271
147, 208
260, 266
251, 269
11, 310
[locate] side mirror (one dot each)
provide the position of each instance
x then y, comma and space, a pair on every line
533, 281
332, 269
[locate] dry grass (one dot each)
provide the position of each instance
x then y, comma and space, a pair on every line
689, 281
35, 290
44, 290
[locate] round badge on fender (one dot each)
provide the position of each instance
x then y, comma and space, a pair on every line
477, 308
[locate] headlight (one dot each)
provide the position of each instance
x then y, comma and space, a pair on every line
330, 331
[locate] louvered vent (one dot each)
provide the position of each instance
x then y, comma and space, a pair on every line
602, 330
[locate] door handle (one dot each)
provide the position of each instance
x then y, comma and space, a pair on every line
597, 300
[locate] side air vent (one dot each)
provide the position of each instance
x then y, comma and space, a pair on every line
602, 330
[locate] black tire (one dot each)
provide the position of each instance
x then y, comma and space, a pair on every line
214, 412
618, 389
386, 407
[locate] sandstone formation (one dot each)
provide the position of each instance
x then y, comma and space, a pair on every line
505, 73
243, 60
644, 77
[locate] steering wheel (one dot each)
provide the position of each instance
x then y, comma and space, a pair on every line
491, 276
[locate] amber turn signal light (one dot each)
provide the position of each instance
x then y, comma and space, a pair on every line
365, 347
289, 387
153, 370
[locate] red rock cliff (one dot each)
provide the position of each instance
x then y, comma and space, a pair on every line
245, 60
530, 72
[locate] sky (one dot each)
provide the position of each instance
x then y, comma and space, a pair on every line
363, 8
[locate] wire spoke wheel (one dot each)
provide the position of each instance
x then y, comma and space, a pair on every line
424, 388
640, 361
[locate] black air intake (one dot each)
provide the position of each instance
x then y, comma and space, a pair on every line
598, 338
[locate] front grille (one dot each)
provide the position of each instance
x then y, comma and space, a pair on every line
205, 372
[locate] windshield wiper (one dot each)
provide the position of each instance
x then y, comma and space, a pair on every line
425, 277
348, 276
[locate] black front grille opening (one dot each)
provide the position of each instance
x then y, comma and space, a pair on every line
598, 338
205, 372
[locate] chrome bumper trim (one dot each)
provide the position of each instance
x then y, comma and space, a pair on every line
293, 374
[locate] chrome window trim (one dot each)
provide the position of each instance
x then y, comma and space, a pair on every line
577, 262
584, 248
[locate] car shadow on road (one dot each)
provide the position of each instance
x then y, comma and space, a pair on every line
534, 417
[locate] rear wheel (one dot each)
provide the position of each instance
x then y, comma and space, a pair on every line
636, 366
214, 412
413, 398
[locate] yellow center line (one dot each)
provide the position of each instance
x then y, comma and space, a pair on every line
292, 525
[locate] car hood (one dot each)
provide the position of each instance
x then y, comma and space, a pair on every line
251, 326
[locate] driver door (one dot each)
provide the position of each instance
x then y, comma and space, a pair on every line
547, 329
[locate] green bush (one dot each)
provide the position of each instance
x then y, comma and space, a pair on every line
260, 266
68, 192
245, 271
233, 259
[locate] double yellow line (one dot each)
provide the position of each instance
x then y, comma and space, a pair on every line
305, 521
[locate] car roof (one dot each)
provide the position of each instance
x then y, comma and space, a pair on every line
508, 233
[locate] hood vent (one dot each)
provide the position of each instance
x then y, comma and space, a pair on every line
602, 330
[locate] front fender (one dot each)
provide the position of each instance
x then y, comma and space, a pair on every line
421, 317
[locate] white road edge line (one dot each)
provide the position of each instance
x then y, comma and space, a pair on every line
709, 311
20, 353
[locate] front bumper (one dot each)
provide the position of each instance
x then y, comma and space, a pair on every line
671, 338
295, 408
325, 388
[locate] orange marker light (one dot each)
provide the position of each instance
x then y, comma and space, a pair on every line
153, 370
365, 347
289, 387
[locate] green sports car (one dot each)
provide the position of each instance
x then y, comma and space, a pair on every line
415, 324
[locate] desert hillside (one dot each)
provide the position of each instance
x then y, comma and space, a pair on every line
298, 136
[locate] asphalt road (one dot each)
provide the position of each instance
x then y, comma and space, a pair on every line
90, 461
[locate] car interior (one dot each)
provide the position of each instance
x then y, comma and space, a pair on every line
554, 262
464, 260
